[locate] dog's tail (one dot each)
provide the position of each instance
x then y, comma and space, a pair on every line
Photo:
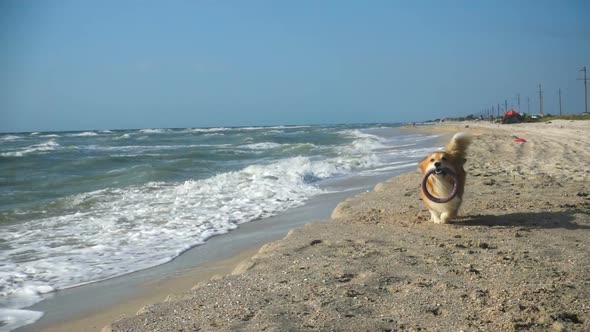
459, 144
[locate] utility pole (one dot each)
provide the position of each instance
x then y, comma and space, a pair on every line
585, 79
559, 91
505, 105
498, 110
518, 95
540, 100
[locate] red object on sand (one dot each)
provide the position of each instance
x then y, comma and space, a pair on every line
520, 140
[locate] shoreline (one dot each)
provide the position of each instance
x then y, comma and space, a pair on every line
151, 291
222, 252
496, 267
175, 276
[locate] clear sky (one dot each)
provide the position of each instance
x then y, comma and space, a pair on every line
80, 64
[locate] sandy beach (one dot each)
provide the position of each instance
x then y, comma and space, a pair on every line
153, 291
516, 259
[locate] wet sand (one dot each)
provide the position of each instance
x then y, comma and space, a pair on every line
152, 291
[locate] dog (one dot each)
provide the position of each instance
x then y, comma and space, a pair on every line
440, 184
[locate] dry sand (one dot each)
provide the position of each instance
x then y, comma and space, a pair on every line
517, 259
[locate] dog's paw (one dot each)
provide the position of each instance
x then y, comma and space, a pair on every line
434, 217
445, 218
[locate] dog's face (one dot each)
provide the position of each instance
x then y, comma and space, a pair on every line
440, 160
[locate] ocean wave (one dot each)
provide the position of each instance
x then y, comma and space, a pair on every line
261, 146
84, 134
270, 127
48, 146
10, 138
208, 130
282, 149
298, 147
273, 132
119, 230
363, 142
124, 136
267, 128
355, 133
154, 131
15, 318
145, 148
108, 232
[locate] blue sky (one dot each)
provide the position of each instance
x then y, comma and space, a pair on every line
75, 65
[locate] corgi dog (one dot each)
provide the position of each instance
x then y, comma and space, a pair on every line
440, 184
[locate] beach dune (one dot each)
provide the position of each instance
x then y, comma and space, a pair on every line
517, 258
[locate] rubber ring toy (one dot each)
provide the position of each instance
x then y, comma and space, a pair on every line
438, 199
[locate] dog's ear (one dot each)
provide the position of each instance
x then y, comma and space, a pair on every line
423, 164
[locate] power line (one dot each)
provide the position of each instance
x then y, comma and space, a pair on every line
585, 79
540, 100
498, 108
559, 91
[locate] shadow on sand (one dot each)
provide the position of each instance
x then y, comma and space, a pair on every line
572, 220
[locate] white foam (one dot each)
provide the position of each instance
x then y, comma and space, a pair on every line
48, 146
11, 319
124, 136
288, 147
120, 230
148, 225
154, 131
9, 138
84, 134
271, 127
273, 131
262, 146
208, 130
360, 134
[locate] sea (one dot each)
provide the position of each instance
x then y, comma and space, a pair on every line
80, 207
